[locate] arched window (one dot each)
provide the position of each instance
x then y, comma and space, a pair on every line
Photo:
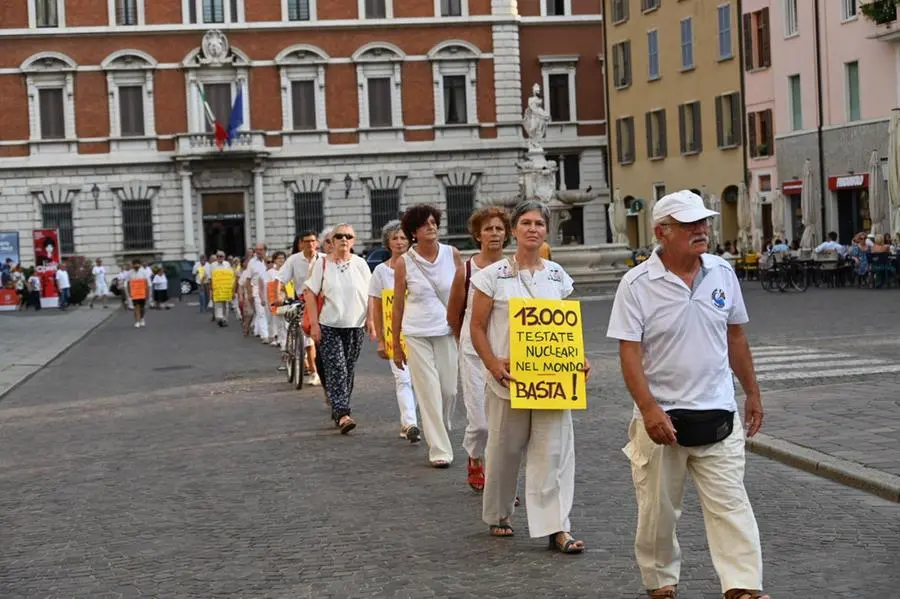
132, 118
454, 66
302, 69
50, 79
380, 80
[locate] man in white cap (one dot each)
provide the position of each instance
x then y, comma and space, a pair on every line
678, 317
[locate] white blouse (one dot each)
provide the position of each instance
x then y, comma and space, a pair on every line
346, 289
425, 311
500, 282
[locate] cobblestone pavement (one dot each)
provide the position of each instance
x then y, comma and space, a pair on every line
30, 339
172, 461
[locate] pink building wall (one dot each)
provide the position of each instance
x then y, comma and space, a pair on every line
792, 56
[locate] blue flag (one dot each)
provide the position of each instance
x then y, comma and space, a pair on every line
237, 115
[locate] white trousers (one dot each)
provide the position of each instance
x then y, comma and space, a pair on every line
433, 368
220, 310
260, 322
471, 372
659, 473
549, 441
236, 307
279, 329
406, 399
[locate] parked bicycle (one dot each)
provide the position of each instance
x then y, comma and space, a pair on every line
782, 272
294, 351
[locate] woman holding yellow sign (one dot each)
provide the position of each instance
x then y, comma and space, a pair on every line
545, 435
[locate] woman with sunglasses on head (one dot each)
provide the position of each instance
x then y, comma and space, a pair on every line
427, 272
342, 279
544, 436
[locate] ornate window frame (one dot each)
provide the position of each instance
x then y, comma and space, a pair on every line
203, 65
455, 57
50, 70
380, 60
136, 191
303, 62
130, 67
60, 14
560, 65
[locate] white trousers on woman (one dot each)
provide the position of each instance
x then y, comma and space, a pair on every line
548, 439
659, 473
260, 321
406, 399
433, 367
471, 371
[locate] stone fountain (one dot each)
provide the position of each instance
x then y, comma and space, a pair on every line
587, 264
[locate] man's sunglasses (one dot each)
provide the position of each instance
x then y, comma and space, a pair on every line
346, 236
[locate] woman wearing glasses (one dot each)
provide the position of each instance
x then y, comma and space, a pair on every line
342, 278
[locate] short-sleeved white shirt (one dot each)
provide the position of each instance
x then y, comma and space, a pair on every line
346, 288
99, 273
683, 332
296, 268
382, 278
500, 282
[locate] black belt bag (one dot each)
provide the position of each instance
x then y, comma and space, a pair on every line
701, 427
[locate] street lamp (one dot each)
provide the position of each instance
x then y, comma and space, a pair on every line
95, 193
348, 183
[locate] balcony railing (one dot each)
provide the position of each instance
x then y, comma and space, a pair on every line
204, 144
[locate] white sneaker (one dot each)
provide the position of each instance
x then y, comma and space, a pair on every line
137, 325
143, 323
274, 342
265, 340
313, 380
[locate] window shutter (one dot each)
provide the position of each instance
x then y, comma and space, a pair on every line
618, 63
619, 127
720, 129
682, 131
748, 41
648, 117
663, 142
629, 138
737, 119
627, 49
698, 128
765, 47
751, 134
770, 131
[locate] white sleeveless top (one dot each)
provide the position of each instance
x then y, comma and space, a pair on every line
425, 313
465, 335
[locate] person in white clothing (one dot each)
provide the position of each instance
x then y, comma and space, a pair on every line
100, 287
343, 279
63, 285
138, 289
201, 276
491, 230
394, 239
160, 284
296, 270
427, 272
257, 268
276, 322
544, 437
679, 320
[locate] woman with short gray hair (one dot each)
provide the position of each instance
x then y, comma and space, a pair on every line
393, 238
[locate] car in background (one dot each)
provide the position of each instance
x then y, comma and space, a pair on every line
376, 256
181, 272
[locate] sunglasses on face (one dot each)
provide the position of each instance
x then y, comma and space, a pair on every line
346, 236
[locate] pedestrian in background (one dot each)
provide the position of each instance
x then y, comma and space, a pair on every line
679, 320
160, 289
100, 288
427, 272
138, 291
201, 277
63, 285
222, 286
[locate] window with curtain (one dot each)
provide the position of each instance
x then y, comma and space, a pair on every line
380, 109
298, 10
46, 13
725, 50
303, 103
451, 8
213, 11
687, 43
219, 97
131, 110
53, 122
126, 12
455, 100
558, 93
376, 9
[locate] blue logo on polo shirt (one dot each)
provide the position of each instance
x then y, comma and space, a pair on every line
718, 298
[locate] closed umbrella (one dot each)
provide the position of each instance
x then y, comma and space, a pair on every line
878, 203
743, 216
756, 222
778, 207
809, 210
715, 222
894, 169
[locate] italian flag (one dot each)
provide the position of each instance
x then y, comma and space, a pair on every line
221, 134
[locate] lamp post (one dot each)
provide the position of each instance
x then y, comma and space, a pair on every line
95, 193
348, 183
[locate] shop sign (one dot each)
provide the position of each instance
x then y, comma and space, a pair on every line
790, 188
848, 182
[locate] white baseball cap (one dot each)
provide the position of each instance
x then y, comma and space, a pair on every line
685, 206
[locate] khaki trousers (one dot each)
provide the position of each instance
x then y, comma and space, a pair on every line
659, 473
548, 439
433, 367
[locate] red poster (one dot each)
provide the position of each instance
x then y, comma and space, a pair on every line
46, 259
8, 299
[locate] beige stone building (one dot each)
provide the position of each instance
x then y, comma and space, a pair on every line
675, 106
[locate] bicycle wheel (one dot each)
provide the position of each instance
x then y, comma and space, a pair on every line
782, 280
799, 280
297, 351
288, 357
767, 280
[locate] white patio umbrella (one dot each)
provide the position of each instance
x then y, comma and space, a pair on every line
756, 222
778, 207
879, 210
712, 203
809, 209
894, 170
743, 216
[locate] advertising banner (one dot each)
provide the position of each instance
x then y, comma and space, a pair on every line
9, 247
546, 355
9, 299
46, 259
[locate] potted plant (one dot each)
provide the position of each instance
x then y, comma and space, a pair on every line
880, 11
762, 150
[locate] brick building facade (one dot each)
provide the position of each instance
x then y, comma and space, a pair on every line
351, 110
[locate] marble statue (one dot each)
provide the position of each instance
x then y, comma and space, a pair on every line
535, 119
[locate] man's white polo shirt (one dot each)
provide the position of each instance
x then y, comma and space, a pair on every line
683, 332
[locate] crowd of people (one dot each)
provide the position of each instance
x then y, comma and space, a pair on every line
449, 327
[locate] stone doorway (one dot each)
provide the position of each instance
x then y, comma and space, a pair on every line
224, 223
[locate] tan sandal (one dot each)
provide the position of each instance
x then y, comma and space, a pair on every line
664, 593
744, 594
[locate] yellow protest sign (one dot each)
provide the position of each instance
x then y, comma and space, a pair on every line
546, 355
387, 310
222, 284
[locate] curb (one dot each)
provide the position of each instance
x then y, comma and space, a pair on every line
882, 484
87, 332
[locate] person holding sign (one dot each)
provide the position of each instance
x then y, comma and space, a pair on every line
490, 229
545, 436
679, 320
339, 330
138, 289
381, 297
222, 276
292, 275
427, 272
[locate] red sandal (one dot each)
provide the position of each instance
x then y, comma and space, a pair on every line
476, 475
